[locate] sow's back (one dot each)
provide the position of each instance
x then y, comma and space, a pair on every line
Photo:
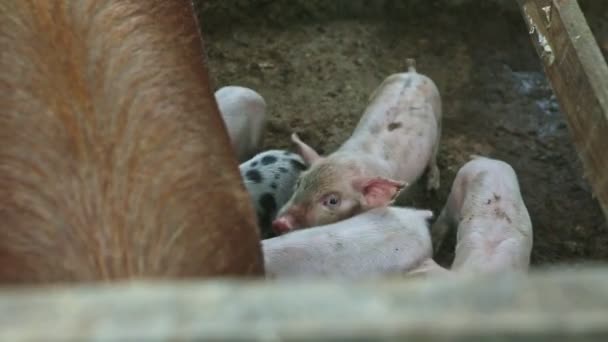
114, 161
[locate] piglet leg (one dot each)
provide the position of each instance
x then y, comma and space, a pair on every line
433, 174
428, 268
440, 229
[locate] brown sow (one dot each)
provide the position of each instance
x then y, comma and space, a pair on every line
114, 160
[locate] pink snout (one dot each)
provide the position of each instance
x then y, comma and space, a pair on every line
282, 225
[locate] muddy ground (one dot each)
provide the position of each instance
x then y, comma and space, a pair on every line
316, 67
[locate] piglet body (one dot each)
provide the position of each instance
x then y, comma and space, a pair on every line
400, 129
395, 141
494, 227
244, 113
379, 242
269, 177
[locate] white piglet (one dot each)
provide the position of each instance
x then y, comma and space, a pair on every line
494, 230
393, 145
380, 242
269, 178
244, 113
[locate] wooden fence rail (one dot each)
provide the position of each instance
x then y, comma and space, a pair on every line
578, 75
546, 306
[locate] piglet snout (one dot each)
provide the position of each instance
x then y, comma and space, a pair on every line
282, 225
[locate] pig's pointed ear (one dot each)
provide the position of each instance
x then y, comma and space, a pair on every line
378, 191
306, 152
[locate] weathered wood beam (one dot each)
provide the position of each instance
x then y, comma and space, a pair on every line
578, 75
546, 306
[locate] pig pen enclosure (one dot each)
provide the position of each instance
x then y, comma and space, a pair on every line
317, 62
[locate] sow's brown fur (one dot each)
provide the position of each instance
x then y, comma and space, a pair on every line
114, 161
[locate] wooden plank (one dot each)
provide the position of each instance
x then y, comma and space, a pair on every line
546, 306
578, 75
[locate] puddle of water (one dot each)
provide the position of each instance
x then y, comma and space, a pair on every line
535, 86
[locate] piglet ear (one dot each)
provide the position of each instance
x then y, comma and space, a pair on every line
306, 152
378, 191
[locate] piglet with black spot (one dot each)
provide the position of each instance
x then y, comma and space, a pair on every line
270, 177
393, 145
494, 230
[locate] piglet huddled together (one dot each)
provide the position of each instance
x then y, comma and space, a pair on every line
244, 113
334, 215
381, 241
396, 140
269, 178
494, 230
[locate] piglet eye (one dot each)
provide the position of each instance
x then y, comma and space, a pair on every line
331, 200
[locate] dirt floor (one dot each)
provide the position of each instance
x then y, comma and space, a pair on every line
316, 76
